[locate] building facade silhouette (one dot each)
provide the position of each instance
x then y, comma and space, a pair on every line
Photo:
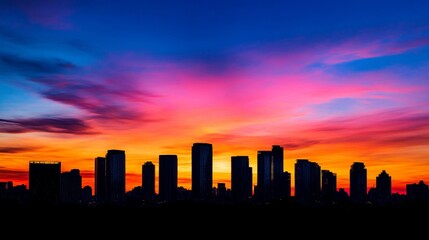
383, 185
44, 181
418, 192
86, 195
329, 186
278, 185
100, 179
148, 181
307, 181
71, 187
265, 176
240, 179
115, 175
202, 171
358, 182
285, 185
167, 177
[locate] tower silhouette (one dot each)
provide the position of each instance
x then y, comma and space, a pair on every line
202, 171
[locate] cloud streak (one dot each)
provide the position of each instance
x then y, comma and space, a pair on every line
51, 125
17, 64
17, 149
13, 174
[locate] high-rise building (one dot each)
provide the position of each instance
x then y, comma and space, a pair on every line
383, 185
240, 180
44, 181
265, 175
277, 153
358, 182
148, 181
329, 185
249, 182
168, 177
71, 187
202, 171
115, 175
307, 181
285, 185
100, 179
278, 185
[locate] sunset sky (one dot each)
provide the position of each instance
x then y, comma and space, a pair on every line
335, 82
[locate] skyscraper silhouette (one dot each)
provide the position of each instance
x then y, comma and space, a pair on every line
168, 177
277, 153
329, 186
307, 181
285, 186
44, 181
148, 181
249, 182
265, 175
278, 185
383, 185
115, 175
202, 171
358, 182
240, 179
71, 187
100, 179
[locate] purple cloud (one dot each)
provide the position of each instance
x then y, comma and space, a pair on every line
52, 125
18, 64
103, 100
16, 149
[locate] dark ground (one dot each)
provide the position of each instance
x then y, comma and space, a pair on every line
206, 221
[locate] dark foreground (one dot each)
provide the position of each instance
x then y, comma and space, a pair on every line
202, 221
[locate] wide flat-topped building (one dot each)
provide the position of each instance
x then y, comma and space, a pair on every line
44, 181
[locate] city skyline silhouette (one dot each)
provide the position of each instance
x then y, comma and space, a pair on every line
274, 99
48, 184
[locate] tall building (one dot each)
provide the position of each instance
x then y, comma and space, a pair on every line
115, 175
358, 182
277, 153
265, 175
383, 185
329, 185
100, 179
285, 186
71, 187
44, 181
307, 181
249, 182
168, 177
240, 180
202, 171
148, 181
278, 185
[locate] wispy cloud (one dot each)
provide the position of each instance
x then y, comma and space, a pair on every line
13, 174
30, 67
52, 125
395, 128
17, 149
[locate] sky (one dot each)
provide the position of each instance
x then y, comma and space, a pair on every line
335, 82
